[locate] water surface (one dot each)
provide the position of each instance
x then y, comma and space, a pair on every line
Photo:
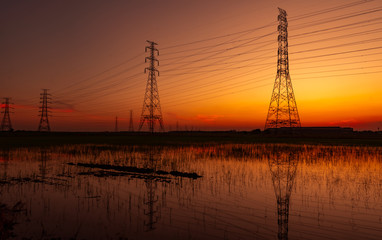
262, 191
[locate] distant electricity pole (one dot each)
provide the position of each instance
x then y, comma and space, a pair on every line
6, 124
131, 126
45, 99
282, 110
116, 124
151, 110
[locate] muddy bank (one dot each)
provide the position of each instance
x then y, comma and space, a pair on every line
131, 169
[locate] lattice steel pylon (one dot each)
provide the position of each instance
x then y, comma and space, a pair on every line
44, 111
283, 168
131, 126
116, 124
151, 110
6, 124
282, 110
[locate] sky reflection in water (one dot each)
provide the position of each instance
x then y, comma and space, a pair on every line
264, 191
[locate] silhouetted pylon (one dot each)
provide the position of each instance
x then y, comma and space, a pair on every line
116, 124
131, 126
283, 168
282, 110
45, 99
151, 110
6, 124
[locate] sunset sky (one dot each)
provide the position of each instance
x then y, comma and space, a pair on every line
217, 61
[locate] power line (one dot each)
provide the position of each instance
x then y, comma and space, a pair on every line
102, 80
232, 91
298, 44
111, 87
351, 26
302, 59
316, 13
99, 74
221, 36
338, 53
270, 41
318, 56
264, 85
328, 10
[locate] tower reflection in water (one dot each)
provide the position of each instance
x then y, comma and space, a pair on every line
45, 155
151, 211
283, 168
4, 161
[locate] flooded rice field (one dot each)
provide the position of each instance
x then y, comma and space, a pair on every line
262, 191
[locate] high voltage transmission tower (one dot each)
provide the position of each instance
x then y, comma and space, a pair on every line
45, 99
116, 124
6, 124
131, 126
151, 110
282, 110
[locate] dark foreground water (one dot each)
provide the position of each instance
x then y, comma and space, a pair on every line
264, 191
